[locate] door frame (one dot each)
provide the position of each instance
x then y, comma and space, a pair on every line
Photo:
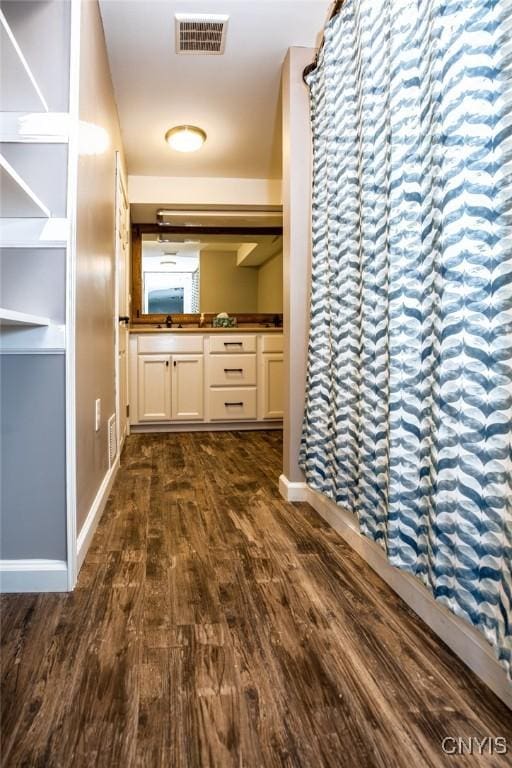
71, 291
120, 188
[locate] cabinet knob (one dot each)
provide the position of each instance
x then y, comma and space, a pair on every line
167, 363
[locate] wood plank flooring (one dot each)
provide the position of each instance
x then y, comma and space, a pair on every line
215, 625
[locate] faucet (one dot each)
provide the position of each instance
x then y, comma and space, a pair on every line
168, 321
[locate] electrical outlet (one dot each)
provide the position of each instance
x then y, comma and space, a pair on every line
97, 415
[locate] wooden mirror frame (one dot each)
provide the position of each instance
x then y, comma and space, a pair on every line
138, 318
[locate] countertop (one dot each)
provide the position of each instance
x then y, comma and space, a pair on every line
194, 329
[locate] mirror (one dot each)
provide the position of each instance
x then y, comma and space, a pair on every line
211, 273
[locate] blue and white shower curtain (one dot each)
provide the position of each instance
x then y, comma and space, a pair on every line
408, 419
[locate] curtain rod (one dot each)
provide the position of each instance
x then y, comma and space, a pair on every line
311, 67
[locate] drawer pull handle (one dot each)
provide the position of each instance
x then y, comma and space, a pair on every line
233, 343
239, 404
233, 370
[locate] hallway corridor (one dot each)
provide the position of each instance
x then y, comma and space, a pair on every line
216, 625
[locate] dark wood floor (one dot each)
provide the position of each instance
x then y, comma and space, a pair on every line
215, 625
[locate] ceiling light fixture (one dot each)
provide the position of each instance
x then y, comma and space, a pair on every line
185, 138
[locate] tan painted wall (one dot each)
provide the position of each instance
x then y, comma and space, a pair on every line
95, 371
270, 285
224, 287
297, 162
188, 190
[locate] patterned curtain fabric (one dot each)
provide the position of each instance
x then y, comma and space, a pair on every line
408, 419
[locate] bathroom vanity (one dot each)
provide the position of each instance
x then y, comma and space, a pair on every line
192, 379
185, 373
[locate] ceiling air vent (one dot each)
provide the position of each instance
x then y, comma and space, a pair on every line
201, 33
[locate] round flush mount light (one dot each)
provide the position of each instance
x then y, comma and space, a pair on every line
185, 138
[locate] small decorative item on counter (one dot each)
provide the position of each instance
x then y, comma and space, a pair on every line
224, 321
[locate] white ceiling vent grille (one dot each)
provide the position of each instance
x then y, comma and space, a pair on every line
201, 33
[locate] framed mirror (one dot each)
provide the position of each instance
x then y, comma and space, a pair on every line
179, 274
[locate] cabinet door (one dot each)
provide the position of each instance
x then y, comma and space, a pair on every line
187, 387
154, 380
272, 385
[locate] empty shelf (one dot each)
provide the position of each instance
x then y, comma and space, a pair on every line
16, 198
34, 127
20, 91
33, 233
9, 317
32, 339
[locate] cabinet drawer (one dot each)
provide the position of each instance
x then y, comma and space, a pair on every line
272, 343
232, 344
232, 404
167, 342
230, 370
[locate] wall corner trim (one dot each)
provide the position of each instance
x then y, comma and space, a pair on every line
94, 515
463, 639
33, 576
292, 491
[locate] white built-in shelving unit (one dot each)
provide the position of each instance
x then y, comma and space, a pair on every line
38, 79
34, 132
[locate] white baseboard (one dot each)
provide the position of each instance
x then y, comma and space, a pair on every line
292, 491
33, 576
91, 521
463, 639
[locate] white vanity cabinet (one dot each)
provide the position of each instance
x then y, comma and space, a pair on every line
232, 381
166, 378
187, 388
170, 387
154, 387
272, 385
271, 377
222, 379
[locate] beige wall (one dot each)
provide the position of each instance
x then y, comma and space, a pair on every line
95, 371
188, 190
270, 285
297, 154
224, 287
